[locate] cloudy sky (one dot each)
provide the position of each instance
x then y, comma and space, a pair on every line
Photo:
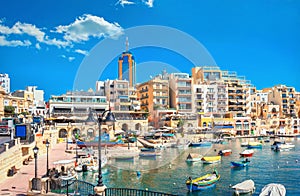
45, 43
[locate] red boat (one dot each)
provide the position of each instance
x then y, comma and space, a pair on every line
225, 152
247, 153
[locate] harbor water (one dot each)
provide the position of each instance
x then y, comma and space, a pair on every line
168, 172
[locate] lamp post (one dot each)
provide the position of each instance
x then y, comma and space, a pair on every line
34, 182
107, 118
47, 169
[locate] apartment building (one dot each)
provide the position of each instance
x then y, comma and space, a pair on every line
285, 97
210, 98
154, 94
76, 104
181, 92
2, 94
239, 91
5, 82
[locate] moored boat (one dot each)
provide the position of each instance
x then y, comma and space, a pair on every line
204, 182
240, 163
200, 144
193, 157
273, 189
244, 187
211, 159
254, 145
247, 153
281, 146
225, 152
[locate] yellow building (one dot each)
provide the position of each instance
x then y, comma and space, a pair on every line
154, 94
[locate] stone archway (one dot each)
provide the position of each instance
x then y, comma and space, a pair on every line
76, 130
90, 133
138, 126
62, 133
125, 127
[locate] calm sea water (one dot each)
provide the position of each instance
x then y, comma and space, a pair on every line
169, 172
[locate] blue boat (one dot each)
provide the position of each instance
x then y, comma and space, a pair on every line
200, 144
147, 149
205, 182
254, 145
240, 163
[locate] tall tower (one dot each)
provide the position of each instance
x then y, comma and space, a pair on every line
127, 70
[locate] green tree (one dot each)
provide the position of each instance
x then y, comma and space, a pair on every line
9, 109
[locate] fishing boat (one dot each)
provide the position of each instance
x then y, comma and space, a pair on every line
244, 144
244, 187
282, 146
273, 189
254, 145
200, 144
204, 182
240, 163
149, 154
211, 159
225, 152
193, 157
247, 153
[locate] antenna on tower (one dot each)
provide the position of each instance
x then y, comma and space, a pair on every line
127, 44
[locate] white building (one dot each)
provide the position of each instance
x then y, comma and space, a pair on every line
5, 82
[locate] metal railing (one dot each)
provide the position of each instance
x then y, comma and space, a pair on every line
132, 192
77, 187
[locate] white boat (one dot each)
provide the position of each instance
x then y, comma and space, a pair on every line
193, 157
246, 186
244, 144
281, 146
273, 190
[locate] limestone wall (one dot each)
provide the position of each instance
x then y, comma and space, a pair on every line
11, 157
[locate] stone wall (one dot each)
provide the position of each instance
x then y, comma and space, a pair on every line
9, 158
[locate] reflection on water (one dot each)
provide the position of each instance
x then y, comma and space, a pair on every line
168, 172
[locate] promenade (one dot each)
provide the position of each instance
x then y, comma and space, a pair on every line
18, 184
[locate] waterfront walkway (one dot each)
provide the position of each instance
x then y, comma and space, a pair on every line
18, 184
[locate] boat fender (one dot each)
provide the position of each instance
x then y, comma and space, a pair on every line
138, 173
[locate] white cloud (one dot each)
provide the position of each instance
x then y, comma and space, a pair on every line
84, 52
31, 30
37, 46
88, 26
70, 58
124, 2
13, 43
149, 3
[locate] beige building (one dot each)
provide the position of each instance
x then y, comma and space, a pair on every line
154, 94
19, 103
285, 97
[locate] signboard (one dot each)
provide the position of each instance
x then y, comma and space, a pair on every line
21, 131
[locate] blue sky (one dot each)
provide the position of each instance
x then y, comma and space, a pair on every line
44, 43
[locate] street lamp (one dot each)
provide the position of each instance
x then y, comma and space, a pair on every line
107, 118
35, 152
47, 146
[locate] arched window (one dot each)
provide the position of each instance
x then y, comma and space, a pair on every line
125, 127
138, 126
274, 110
76, 130
62, 133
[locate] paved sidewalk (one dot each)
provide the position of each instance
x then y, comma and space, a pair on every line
18, 184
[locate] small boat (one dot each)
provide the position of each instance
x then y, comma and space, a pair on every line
282, 146
244, 144
211, 159
273, 189
254, 145
193, 157
149, 154
124, 158
226, 152
204, 182
244, 187
247, 153
200, 144
240, 163
147, 149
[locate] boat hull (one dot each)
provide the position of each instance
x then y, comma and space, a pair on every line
238, 164
205, 182
194, 187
